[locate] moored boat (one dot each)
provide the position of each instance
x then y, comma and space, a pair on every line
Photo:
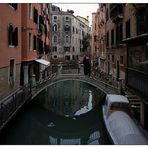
119, 124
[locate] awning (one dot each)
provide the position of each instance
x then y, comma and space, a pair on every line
143, 38
42, 61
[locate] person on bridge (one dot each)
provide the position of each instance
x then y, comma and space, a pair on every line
87, 65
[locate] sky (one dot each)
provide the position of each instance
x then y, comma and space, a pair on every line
81, 9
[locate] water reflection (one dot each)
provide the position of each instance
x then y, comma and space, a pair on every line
93, 140
65, 113
87, 108
69, 98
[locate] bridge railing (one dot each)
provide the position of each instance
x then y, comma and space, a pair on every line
10, 105
70, 69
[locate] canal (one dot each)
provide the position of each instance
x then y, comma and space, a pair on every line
68, 112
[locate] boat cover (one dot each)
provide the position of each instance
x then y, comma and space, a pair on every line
124, 130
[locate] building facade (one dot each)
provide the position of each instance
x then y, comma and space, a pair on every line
126, 47
94, 53
98, 37
137, 58
84, 36
10, 48
35, 40
68, 35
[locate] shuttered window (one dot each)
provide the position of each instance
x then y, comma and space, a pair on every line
34, 42
35, 16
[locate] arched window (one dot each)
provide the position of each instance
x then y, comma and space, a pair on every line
67, 39
55, 39
67, 27
55, 27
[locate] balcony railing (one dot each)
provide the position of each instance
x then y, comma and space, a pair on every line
116, 12
138, 81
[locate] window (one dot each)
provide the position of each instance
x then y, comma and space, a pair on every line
40, 46
67, 57
76, 31
34, 42
121, 32
73, 49
121, 60
128, 29
108, 57
117, 35
112, 37
113, 58
35, 16
66, 18
55, 28
107, 39
12, 36
67, 27
13, 5
107, 15
30, 10
30, 41
95, 38
12, 72
73, 28
55, 57
73, 57
55, 18
67, 39
55, 39
53, 8
67, 49
82, 33
54, 48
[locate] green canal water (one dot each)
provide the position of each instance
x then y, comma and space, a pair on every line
68, 112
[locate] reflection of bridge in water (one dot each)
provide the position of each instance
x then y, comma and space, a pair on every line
13, 103
93, 139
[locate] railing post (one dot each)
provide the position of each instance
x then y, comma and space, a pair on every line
60, 68
81, 69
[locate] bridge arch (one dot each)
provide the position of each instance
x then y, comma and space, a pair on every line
104, 89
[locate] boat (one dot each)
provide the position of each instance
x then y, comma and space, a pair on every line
121, 127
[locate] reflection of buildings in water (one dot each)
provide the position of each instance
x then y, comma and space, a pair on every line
93, 139
87, 106
53, 141
67, 97
70, 141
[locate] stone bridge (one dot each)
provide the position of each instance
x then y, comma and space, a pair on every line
104, 87
10, 105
